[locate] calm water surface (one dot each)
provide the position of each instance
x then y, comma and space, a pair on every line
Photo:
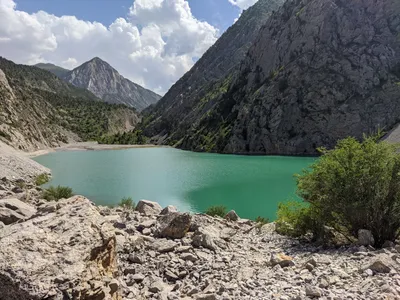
252, 185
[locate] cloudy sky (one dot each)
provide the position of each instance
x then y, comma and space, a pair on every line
151, 42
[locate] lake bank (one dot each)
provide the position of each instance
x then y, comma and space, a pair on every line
88, 146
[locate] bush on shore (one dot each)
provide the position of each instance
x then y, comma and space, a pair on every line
217, 210
261, 220
354, 186
56, 193
127, 203
42, 179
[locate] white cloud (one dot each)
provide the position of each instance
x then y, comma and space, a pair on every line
243, 4
154, 46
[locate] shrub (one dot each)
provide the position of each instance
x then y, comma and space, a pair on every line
42, 179
218, 210
354, 186
261, 220
57, 193
127, 202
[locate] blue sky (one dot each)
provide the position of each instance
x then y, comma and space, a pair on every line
219, 13
151, 42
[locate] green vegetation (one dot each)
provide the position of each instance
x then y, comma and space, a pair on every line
261, 220
57, 193
134, 137
354, 186
42, 179
127, 203
218, 210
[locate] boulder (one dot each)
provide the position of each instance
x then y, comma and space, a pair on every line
164, 245
313, 291
204, 238
148, 208
57, 255
232, 216
13, 210
174, 225
169, 209
365, 238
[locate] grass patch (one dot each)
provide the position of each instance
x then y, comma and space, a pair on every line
127, 202
57, 193
217, 210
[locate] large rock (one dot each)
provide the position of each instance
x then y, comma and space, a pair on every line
173, 225
232, 216
13, 210
65, 254
365, 238
148, 208
169, 209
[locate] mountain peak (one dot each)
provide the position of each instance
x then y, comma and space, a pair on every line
105, 82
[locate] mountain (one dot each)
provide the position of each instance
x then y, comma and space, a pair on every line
39, 110
58, 71
318, 71
190, 97
106, 83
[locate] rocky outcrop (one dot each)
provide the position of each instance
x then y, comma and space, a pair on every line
68, 253
72, 249
106, 83
13, 210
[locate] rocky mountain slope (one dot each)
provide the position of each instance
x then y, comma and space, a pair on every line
317, 72
190, 97
106, 83
39, 110
58, 71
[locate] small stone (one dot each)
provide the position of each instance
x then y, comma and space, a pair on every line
231, 216
148, 207
135, 259
365, 238
157, 286
206, 297
138, 277
388, 244
114, 285
171, 276
169, 209
379, 267
282, 260
189, 256
313, 291
163, 245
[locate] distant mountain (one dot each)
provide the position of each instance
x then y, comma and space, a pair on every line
196, 92
58, 71
316, 72
39, 110
106, 83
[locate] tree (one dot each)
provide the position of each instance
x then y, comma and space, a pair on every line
355, 186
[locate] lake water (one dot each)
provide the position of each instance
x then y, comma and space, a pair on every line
252, 185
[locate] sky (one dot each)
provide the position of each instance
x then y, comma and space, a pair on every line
151, 42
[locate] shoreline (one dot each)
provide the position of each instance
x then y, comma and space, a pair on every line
88, 146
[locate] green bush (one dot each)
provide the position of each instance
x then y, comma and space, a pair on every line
57, 193
127, 202
217, 210
261, 220
42, 179
354, 186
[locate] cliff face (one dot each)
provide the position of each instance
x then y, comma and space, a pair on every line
39, 110
317, 71
187, 99
106, 83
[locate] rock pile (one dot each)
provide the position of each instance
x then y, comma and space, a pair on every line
74, 249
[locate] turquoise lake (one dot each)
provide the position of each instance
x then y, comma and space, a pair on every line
251, 185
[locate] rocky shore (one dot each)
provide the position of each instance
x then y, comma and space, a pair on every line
73, 249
